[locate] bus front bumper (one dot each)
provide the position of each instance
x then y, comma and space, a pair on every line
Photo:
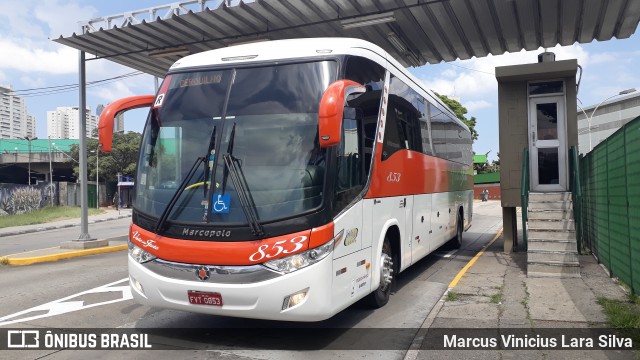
264, 299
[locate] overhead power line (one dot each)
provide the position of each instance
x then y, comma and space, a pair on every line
50, 90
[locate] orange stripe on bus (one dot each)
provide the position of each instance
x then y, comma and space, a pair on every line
400, 174
321, 235
223, 252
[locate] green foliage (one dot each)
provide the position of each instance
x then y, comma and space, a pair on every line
460, 112
451, 296
488, 168
496, 298
122, 159
623, 315
46, 214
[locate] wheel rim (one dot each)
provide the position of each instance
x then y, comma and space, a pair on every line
459, 229
386, 271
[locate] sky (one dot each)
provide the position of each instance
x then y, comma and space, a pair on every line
29, 59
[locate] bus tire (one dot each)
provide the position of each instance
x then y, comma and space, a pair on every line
388, 270
456, 242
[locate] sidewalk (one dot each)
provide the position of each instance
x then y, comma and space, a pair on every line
496, 293
48, 254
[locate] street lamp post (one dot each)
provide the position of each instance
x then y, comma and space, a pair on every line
589, 118
29, 139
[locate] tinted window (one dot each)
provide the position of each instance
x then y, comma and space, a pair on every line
402, 130
425, 125
349, 178
451, 140
367, 106
365, 72
272, 111
439, 127
547, 87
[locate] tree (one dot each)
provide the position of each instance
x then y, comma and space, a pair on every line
460, 112
122, 159
481, 168
495, 165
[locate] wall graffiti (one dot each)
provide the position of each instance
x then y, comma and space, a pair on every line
19, 199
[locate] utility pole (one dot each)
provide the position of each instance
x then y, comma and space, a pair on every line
50, 173
29, 139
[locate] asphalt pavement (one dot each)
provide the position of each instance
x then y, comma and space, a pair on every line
28, 244
490, 298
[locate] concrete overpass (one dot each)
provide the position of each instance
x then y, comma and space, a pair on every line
16, 156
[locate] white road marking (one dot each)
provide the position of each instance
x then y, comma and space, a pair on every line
62, 306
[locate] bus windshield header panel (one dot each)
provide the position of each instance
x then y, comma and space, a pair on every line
246, 138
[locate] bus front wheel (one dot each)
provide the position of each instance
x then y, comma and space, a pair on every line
388, 271
456, 242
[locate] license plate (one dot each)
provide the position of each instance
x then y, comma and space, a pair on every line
204, 298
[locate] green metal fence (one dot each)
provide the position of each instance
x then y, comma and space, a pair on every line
610, 177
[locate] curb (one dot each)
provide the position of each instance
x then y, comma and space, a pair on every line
413, 351
54, 227
65, 255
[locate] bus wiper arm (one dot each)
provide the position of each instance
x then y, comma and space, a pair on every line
210, 153
244, 194
176, 195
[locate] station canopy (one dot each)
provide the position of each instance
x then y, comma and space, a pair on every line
415, 32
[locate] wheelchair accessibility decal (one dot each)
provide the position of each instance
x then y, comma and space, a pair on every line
221, 203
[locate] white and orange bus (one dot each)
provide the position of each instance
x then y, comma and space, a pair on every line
289, 179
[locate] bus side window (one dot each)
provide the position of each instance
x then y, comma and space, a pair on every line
439, 126
425, 124
349, 179
401, 130
371, 75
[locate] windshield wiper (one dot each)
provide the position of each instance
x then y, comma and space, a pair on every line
185, 181
233, 169
210, 156
176, 195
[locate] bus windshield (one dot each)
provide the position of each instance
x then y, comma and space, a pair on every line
265, 118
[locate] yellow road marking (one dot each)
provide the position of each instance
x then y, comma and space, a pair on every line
461, 273
65, 255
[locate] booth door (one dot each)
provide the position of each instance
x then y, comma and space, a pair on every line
548, 144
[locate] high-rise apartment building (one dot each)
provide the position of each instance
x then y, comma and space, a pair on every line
15, 121
64, 123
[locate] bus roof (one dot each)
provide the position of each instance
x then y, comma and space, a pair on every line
262, 51
277, 50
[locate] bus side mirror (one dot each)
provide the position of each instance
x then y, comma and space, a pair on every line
331, 109
105, 124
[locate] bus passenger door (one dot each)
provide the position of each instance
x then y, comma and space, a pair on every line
352, 278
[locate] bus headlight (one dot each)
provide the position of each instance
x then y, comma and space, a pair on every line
298, 261
139, 255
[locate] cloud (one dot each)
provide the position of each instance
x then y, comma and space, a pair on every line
16, 19
26, 57
32, 82
600, 58
136, 85
449, 73
475, 79
62, 19
477, 105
